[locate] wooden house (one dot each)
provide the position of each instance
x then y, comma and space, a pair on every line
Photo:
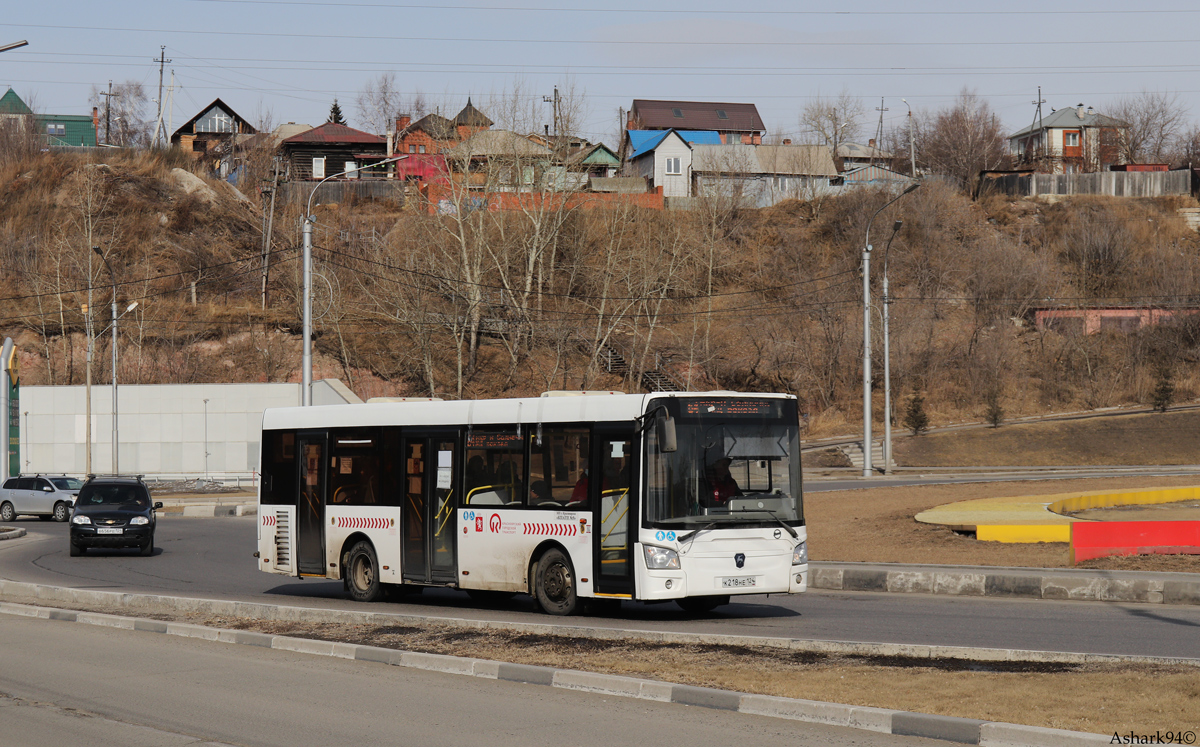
213, 129
331, 149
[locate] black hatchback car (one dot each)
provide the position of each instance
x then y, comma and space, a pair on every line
113, 512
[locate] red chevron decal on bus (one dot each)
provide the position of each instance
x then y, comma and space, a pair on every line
268, 520
353, 522
554, 530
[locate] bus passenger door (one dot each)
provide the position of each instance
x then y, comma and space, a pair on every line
614, 496
310, 513
429, 517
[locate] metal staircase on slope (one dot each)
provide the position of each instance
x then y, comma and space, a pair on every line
656, 380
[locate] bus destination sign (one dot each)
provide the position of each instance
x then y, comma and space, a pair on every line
732, 407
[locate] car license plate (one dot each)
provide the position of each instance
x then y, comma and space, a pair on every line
109, 530
737, 582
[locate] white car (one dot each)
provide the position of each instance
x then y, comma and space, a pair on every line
44, 496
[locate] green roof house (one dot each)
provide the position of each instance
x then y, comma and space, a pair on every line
55, 130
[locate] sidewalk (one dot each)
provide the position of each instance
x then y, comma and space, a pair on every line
208, 504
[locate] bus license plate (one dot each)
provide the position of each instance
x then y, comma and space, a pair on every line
109, 530
737, 582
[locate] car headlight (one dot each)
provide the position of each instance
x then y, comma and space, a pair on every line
79, 519
139, 520
800, 554
658, 558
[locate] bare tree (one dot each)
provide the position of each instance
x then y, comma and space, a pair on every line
378, 103
127, 118
832, 121
1155, 119
962, 140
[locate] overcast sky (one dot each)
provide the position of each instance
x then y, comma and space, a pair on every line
290, 59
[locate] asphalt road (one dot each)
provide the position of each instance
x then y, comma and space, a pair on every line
212, 558
911, 477
69, 684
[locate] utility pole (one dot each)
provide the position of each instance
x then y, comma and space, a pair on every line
879, 132
912, 151
554, 101
107, 112
162, 61
1037, 123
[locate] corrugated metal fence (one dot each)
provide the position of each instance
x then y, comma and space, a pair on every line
1110, 183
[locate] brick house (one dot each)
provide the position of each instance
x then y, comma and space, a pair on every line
215, 127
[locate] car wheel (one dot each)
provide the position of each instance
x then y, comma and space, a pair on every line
554, 584
61, 512
700, 605
362, 573
148, 548
6, 512
76, 550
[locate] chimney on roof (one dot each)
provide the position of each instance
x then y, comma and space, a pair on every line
1091, 111
1079, 110
403, 121
871, 143
787, 141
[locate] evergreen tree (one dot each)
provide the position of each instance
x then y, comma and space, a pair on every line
1164, 390
915, 418
335, 113
995, 413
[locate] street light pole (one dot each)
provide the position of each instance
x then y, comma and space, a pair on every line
206, 440
115, 432
866, 272
887, 359
306, 358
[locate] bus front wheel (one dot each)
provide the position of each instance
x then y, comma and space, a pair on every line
362, 573
554, 583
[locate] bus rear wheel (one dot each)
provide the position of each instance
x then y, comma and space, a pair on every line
554, 584
362, 573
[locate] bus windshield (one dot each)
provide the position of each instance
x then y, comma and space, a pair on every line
737, 462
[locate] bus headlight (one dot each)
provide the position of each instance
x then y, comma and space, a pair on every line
800, 554
80, 520
659, 558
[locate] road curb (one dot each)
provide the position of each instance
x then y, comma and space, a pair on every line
8, 533
1058, 584
883, 720
209, 510
167, 604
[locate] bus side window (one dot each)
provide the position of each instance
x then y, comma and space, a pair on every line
279, 469
495, 472
558, 468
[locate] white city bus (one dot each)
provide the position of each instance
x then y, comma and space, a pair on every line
688, 497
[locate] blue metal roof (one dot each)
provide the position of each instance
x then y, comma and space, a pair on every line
644, 141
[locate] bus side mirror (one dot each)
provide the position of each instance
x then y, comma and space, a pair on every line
666, 434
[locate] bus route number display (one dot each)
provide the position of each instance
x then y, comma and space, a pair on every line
731, 407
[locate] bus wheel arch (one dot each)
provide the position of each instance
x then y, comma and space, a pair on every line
555, 586
360, 569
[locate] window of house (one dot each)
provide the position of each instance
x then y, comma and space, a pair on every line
56, 129
214, 120
1071, 139
412, 149
678, 113
422, 149
351, 169
318, 167
674, 166
721, 114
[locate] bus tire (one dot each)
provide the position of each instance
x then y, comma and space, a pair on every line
700, 605
362, 573
554, 583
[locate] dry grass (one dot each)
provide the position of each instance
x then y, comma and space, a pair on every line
1150, 439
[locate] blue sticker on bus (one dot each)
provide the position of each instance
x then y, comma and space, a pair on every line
468, 516
665, 536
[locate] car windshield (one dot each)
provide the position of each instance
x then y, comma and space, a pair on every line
737, 461
113, 495
67, 483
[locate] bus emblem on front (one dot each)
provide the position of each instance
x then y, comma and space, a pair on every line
740, 559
